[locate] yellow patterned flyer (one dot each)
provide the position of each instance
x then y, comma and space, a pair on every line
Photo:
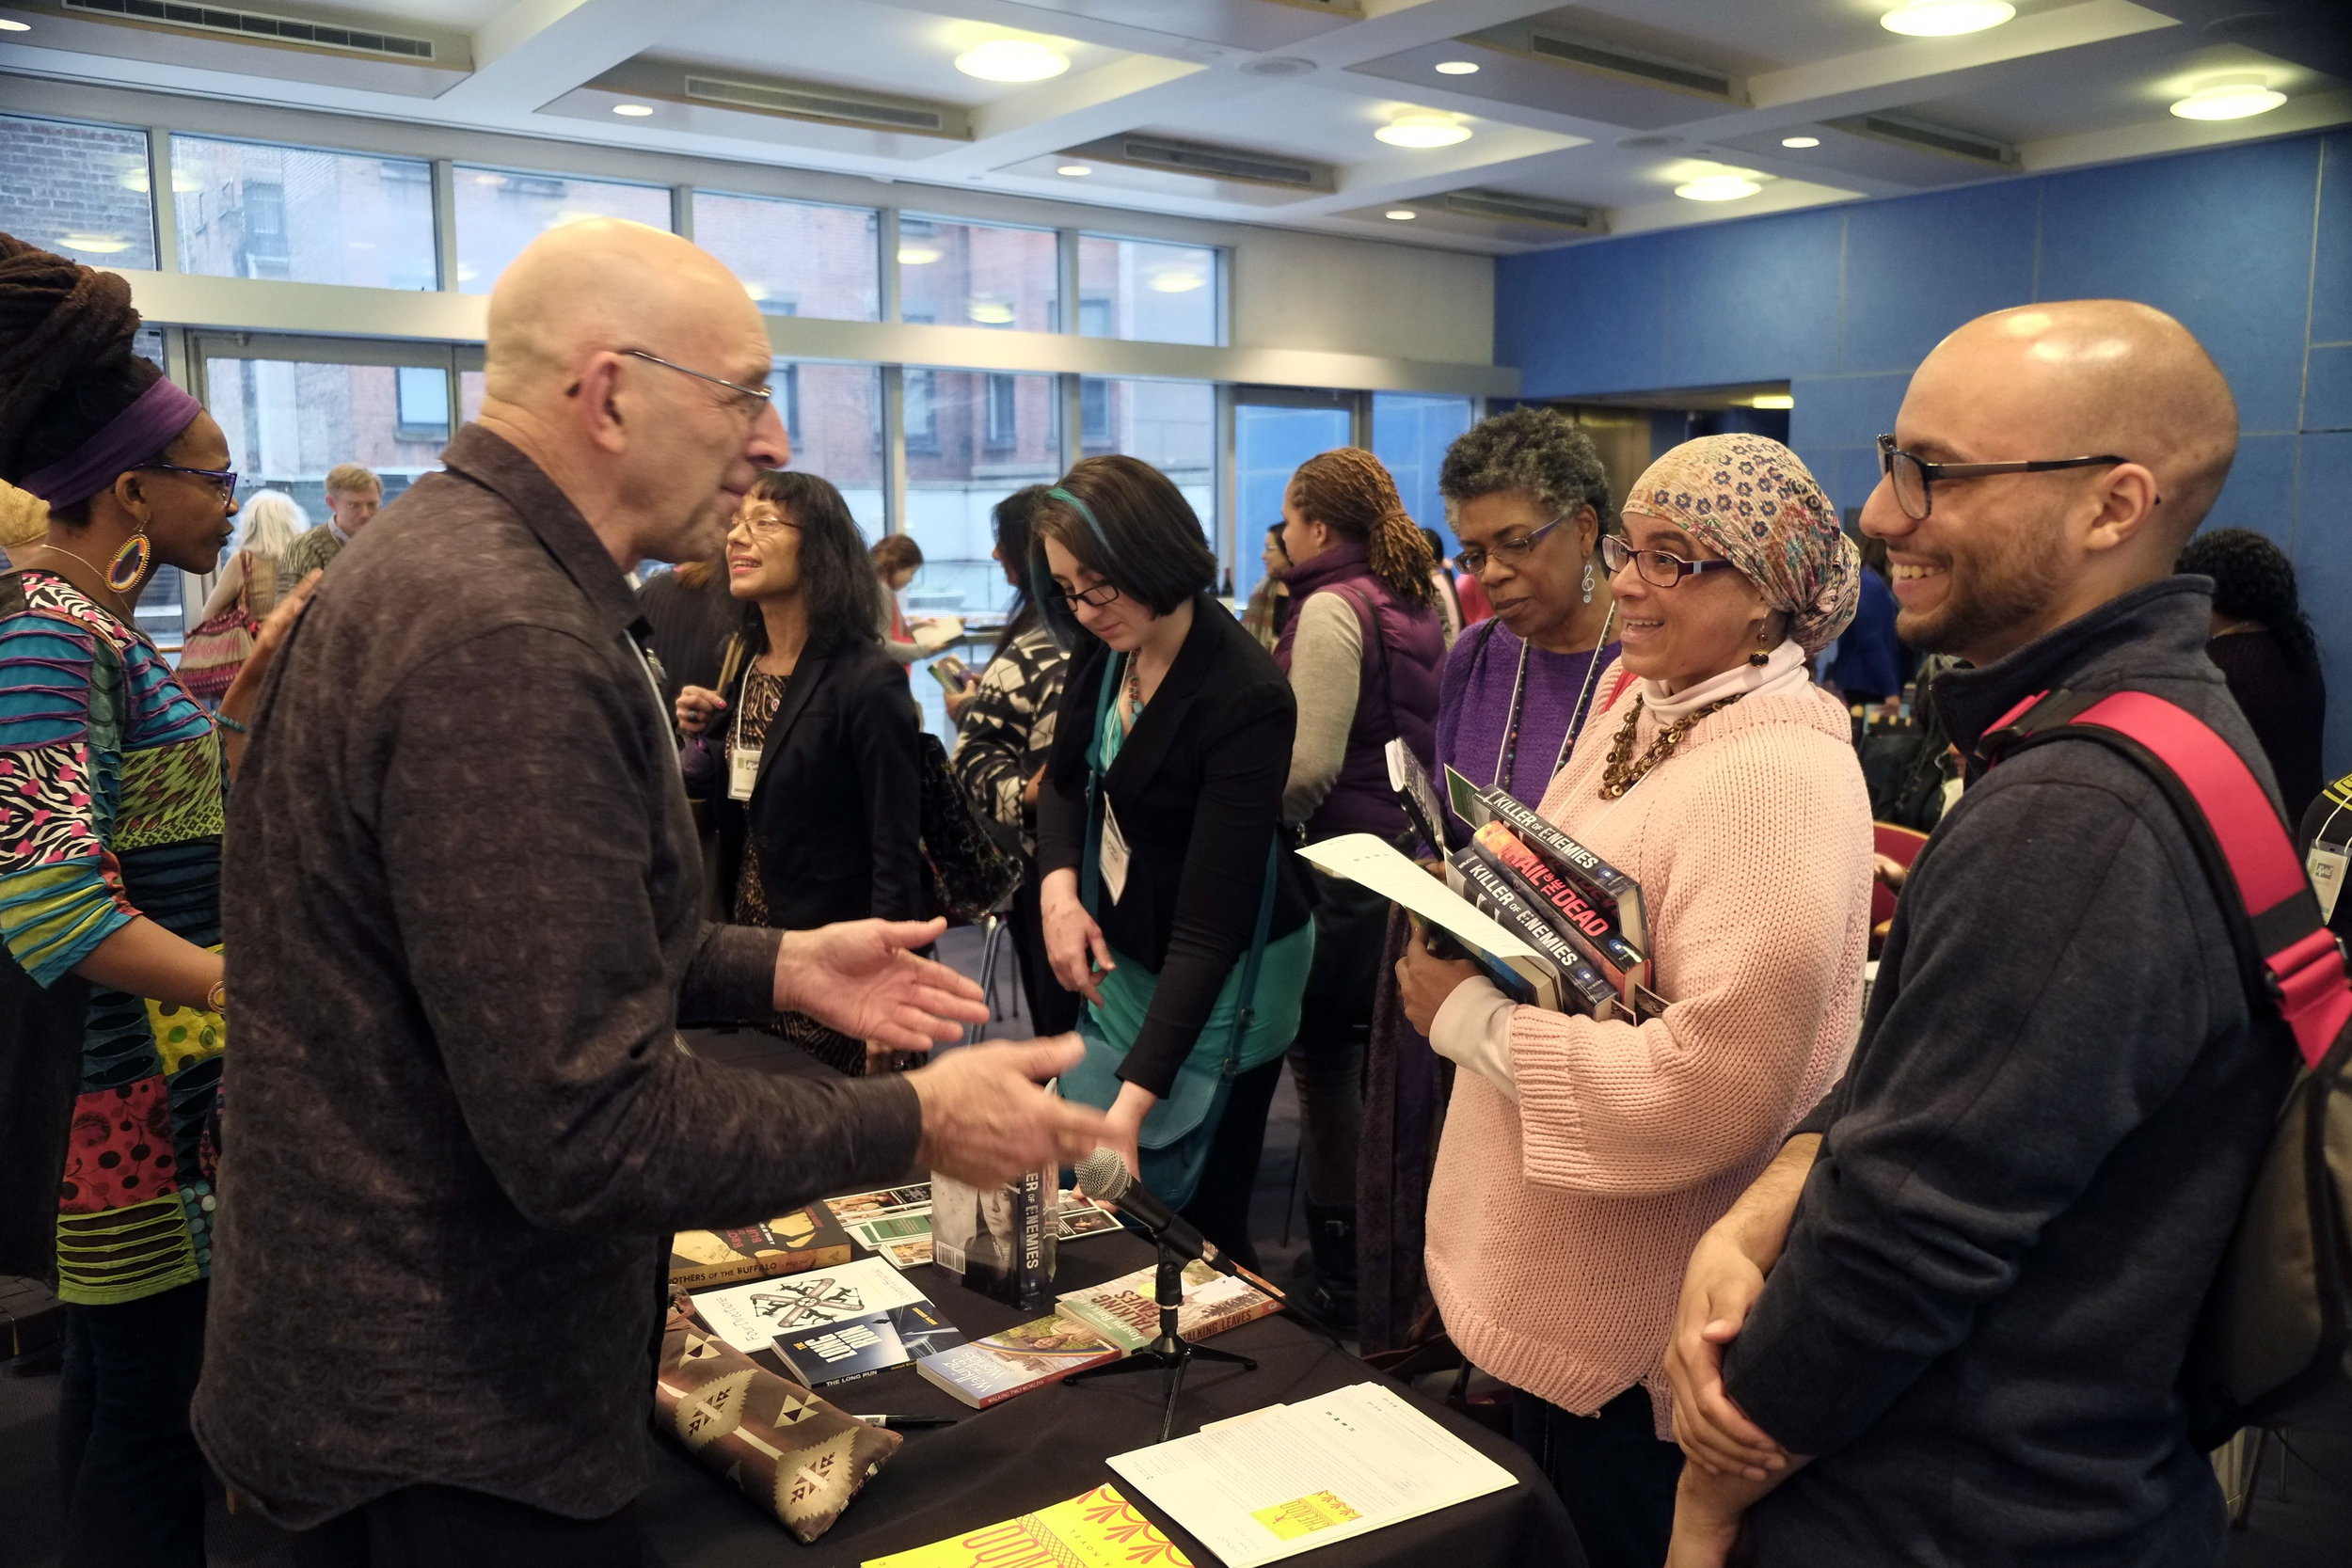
1291, 1478
1101, 1530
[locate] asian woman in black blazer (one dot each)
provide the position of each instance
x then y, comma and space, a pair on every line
815, 773
1159, 881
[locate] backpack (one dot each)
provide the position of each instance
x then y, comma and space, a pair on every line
2271, 1340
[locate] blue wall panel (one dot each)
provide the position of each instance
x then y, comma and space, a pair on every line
2249, 245
1919, 267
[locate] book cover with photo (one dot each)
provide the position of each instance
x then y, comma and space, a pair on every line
805, 1239
993, 1369
860, 1347
1126, 1310
999, 1241
912, 1198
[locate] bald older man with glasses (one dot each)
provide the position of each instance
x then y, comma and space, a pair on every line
463, 882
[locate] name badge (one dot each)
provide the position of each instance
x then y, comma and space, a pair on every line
743, 773
2326, 864
1114, 852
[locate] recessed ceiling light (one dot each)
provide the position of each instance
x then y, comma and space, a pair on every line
136, 180
917, 255
1718, 187
1402, 215
2229, 101
634, 111
990, 313
1177, 282
1424, 129
1076, 171
1011, 60
1943, 18
1457, 67
1800, 142
489, 179
97, 244
1771, 400
10, 26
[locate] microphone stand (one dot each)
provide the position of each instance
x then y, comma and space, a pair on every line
1171, 1351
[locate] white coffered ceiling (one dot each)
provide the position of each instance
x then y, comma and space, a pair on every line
1303, 83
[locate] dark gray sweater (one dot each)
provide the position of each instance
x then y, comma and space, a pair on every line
459, 902
2031, 1166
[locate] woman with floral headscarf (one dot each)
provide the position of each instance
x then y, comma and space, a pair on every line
1582, 1159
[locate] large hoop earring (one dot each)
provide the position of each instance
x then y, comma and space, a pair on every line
1588, 582
128, 568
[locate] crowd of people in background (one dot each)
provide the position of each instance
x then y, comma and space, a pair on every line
1911, 1285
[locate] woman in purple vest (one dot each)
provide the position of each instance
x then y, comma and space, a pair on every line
1362, 647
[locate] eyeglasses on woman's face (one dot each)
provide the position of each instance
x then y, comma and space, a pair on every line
1913, 479
1659, 568
1509, 551
1094, 598
762, 521
223, 481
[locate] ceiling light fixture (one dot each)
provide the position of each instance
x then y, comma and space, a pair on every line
1423, 128
2229, 101
1801, 142
1457, 67
634, 111
1946, 18
97, 244
917, 255
1718, 187
1076, 171
1771, 400
990, 313
136, 180
1011, 60
1177, 282
1402, 215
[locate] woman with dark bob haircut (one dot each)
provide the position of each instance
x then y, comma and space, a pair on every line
815, 779
1169, 904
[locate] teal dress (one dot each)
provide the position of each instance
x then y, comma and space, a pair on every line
1177, 1133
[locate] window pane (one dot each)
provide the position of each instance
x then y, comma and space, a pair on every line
977, 274
1269, 444
834, 415
498, 213
796, 259
289, 422
985, 436
1170, 424
1410, 432
247, 209
79, 190
1163, 294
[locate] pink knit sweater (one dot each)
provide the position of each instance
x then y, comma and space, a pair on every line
1559, 1226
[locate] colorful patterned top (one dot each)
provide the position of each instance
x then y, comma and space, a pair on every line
110, 807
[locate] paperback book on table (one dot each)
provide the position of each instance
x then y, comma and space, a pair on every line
999, 1241
993, 1370
1101, 1530
805, 1239
851, 1348
1126, 1311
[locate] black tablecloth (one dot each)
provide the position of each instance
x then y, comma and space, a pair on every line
1050, 1445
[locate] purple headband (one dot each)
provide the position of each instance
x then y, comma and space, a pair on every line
154, 421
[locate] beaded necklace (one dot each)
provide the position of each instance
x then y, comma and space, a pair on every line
1623, 772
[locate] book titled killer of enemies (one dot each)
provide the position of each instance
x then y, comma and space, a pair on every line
1615, 896
1569, 911
1575, 983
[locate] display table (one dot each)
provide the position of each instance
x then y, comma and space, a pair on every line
1050, 1445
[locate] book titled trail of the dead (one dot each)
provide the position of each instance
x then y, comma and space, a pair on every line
1567, 908
1614, 895
1575, 984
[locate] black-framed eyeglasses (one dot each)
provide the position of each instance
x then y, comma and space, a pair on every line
1659, 568
1914, 478
223, 480
1094, 598
761, 396
1509, 551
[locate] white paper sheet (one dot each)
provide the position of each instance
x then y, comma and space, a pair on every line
1370, 861
1292, 1478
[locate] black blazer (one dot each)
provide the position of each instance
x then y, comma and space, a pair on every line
835, 815
1197, 787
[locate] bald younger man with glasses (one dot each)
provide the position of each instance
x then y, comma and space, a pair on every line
1958, 1306
463, 882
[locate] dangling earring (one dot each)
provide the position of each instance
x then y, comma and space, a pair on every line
1588, 582
128, 568
1761, 657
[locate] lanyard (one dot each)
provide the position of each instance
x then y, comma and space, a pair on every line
1507, 757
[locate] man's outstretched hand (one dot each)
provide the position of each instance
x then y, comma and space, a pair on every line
860, 978
986, 1120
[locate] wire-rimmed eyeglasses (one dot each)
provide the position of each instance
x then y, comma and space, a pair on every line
1509, 551
761, 396
1913, 477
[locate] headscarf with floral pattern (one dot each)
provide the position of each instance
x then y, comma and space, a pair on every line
1753, 502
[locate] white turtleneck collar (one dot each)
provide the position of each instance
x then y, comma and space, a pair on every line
1786, 670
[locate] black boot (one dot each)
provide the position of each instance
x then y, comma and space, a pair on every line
1331, 1244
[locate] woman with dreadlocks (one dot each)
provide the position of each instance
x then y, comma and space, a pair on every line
1362, 647
111, 996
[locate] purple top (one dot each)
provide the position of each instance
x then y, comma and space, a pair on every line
1474, 708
